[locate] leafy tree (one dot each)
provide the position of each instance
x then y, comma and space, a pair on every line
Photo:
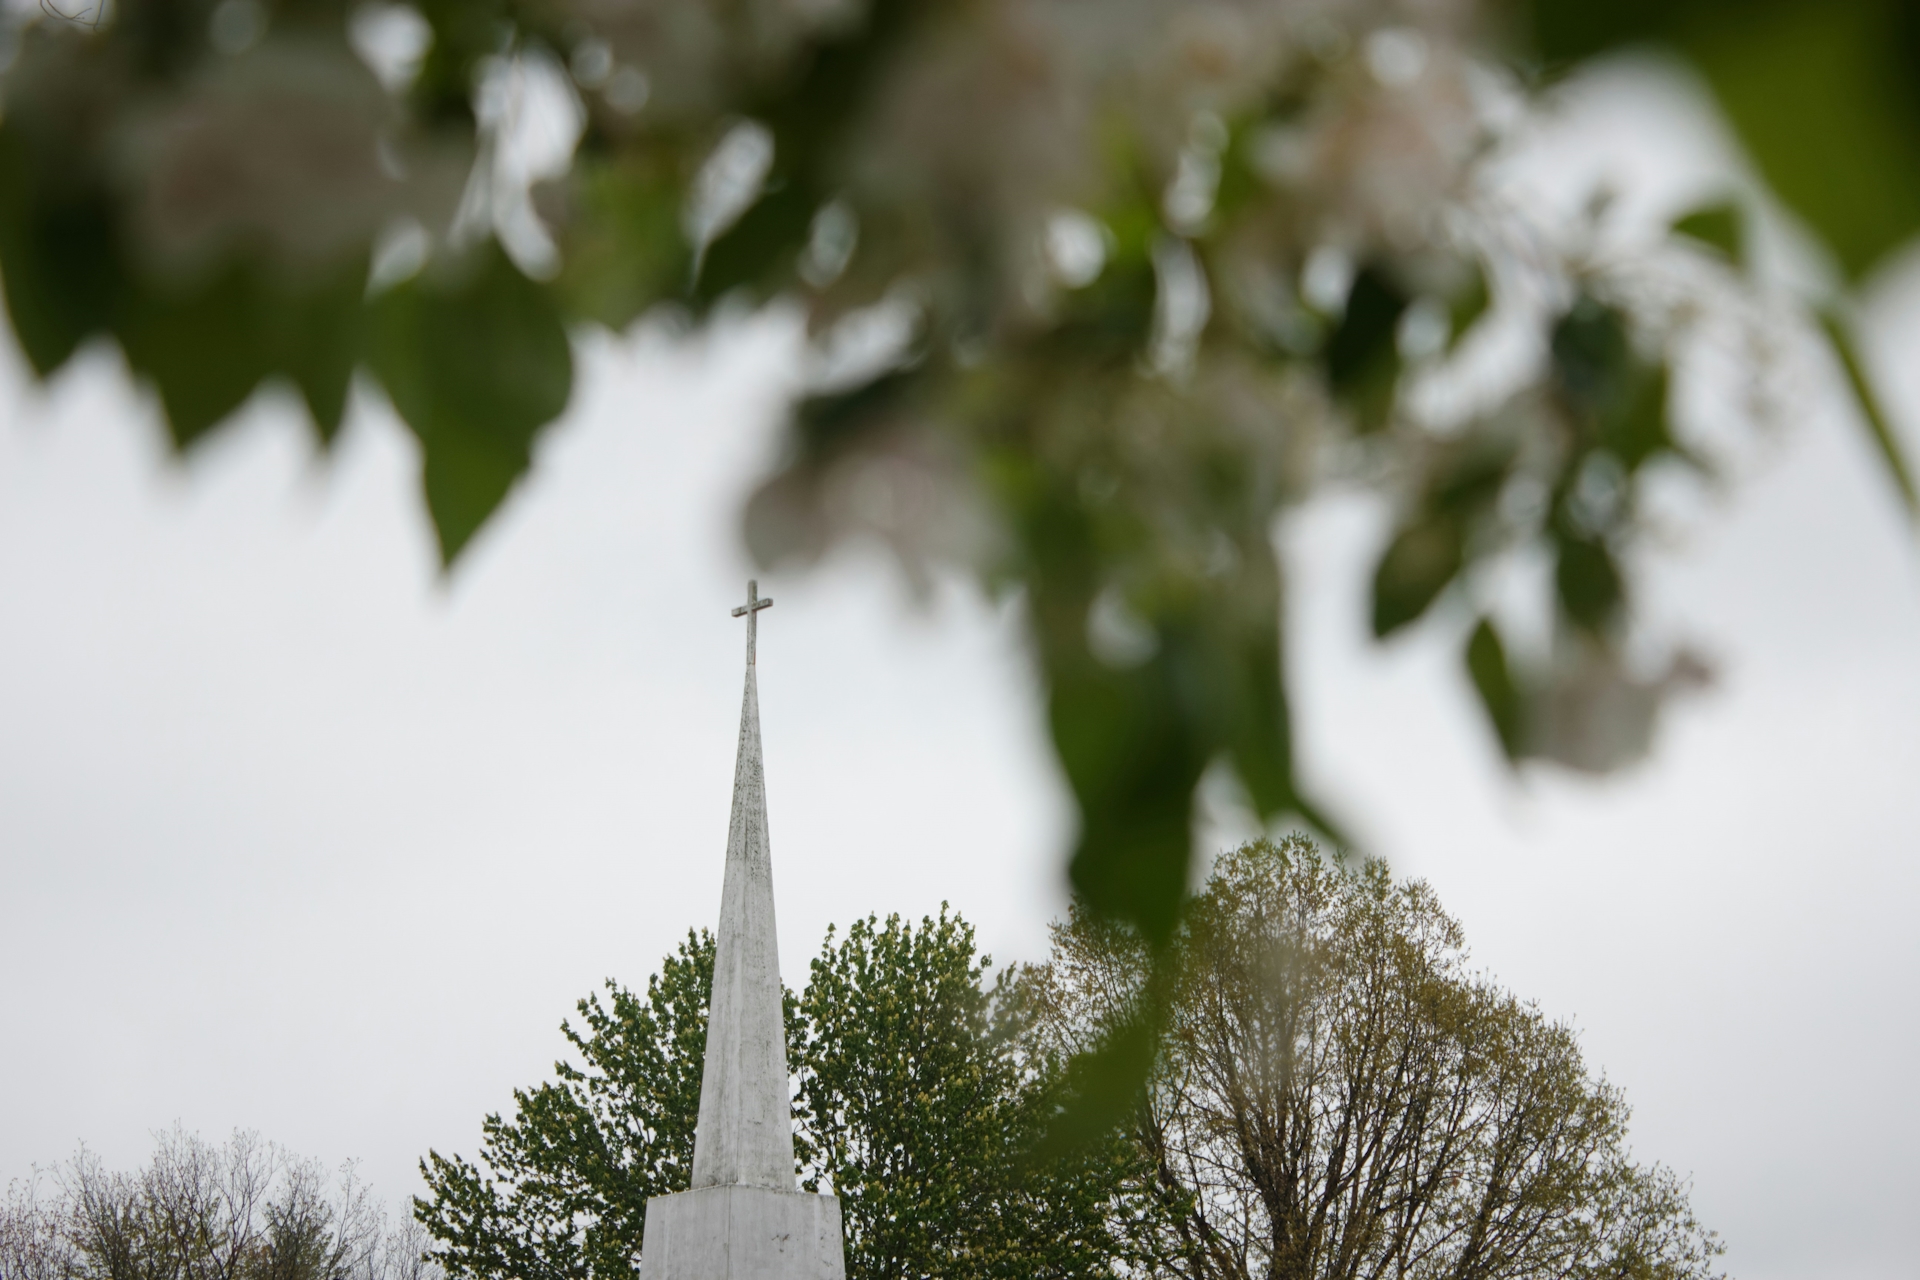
1337, 1094
563, 1195
246, 1210
917, 1100
923, 1101
1162, 270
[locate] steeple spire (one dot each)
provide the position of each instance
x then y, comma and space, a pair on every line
743, 1218
745, 1136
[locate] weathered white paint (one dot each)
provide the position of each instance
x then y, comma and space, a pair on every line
745, 1136
743, 1233
743, 1219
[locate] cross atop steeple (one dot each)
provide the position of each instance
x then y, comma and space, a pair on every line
750, 611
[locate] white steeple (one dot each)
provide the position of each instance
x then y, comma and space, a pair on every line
745, 1136
743, 1219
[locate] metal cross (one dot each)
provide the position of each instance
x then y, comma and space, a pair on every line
749, 610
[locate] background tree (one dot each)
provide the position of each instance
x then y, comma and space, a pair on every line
917, 1101
564, 1189
924, 1101
246, 1210
33, 1245
1338, 1095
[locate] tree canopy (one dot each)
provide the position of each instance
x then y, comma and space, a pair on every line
242, 1210
918, 1103
1333, 1093
1337, 1094
564, 1189
1098, 290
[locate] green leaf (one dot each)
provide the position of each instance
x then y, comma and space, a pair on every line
1129, 754
1363, 357
208, 347
759, 250
1130, 741
58, 254
1564, 30
1640, 429
319, 338
1588, 581
1260, 733
1109, 321
1824, 93
1593, 358
622, 249
837, 420
1720, 226
809, 119
1104, 1086
205, 350
1416, 566
1486, 659
1467, 306
476, 361
1617, 399
1892, 456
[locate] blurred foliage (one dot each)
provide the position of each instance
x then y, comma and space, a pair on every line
1824, 93
919, 1085
1155, 273
1335, 1092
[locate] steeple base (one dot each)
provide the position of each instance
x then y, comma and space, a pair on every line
743, 1233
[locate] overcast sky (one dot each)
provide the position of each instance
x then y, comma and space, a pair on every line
297, 836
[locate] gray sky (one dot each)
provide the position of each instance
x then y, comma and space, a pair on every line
299, 837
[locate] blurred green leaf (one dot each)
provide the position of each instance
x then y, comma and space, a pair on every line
1486, 660
1721, 225
1240, 183
464, 33
1825, 94
1132, 760
58, 254
1110, 321
1363, 357
1618, 399
205, 349
318, 339
1104, 1087
1639, 429
623, 248
1588, 581
1884, 438
1259, 733
1564, 30
834, 420
208, 347
1592, 357
808, 119
1430, 548
1467, 306
1416, 566
475, 358
762, 245
1130, 740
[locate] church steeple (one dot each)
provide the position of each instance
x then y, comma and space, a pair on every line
743, 1218
745, 1137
